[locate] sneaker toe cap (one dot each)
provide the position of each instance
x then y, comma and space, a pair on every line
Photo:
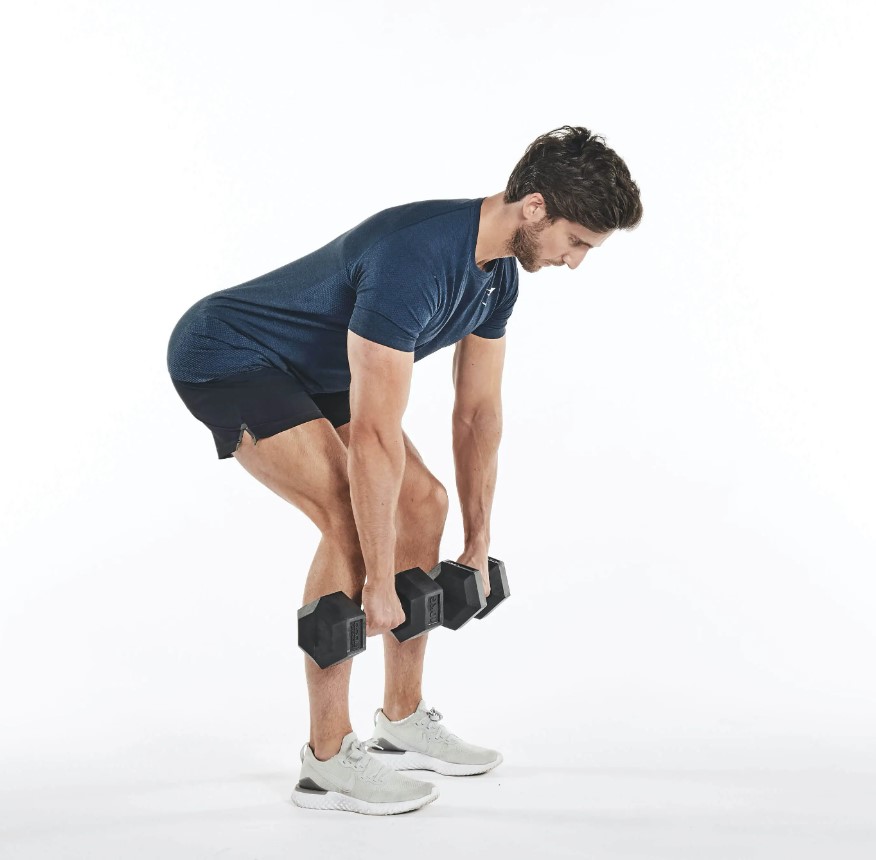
486, 756
416, 788
471, 754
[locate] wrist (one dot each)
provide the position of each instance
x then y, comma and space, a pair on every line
478, 544
380, 580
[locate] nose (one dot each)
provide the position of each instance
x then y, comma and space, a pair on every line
574, 260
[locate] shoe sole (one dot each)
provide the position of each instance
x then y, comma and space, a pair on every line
333, 800
419, 761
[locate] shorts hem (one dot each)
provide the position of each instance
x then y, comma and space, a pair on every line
225, 448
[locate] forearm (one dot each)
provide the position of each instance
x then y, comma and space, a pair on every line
375, 469
476, 455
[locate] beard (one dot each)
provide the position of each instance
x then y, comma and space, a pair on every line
525, 246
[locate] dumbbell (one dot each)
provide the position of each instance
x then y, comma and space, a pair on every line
331, 628
463, 590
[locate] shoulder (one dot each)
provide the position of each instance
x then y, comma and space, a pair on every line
412, 228
421, 214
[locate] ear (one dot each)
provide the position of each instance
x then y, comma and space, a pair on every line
534, 207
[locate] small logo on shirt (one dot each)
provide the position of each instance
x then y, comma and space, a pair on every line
489, 290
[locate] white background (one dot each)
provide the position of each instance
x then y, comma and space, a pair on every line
685, 502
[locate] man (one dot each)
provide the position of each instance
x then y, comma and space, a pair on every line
303, 375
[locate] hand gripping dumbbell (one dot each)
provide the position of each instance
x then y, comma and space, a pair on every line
331, 628
463, 590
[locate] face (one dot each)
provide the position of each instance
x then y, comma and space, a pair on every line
536, 243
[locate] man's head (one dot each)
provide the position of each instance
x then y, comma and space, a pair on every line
574, 192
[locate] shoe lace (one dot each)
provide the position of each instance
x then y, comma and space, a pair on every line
370, 768
433, 730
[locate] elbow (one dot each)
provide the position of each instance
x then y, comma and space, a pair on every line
367, 431
485, 416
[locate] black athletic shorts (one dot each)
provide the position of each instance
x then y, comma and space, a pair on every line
261, 402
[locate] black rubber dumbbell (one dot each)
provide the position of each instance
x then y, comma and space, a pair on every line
464, 590
331, 628
423, 602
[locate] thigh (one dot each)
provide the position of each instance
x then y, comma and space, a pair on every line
307, 466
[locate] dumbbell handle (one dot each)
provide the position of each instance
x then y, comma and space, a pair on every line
498, 587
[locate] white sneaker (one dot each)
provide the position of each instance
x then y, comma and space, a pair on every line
420, 742
352, 780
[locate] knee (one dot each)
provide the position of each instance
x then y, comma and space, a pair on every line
426, 512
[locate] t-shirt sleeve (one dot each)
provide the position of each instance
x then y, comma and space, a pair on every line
494, 326
396, 293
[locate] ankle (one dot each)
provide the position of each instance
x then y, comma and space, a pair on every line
399, 709
326, 748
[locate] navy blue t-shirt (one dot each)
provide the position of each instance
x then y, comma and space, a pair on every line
405, 277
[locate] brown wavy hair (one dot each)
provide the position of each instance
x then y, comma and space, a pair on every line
580, 178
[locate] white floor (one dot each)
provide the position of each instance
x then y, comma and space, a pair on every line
205, 800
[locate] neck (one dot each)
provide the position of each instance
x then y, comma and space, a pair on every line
494, 230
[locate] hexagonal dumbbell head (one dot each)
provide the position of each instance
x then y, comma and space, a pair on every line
498, 587
422, 600
463, 592
331, 629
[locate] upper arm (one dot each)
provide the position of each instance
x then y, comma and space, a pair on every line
396, 294
380, 384
477, 375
